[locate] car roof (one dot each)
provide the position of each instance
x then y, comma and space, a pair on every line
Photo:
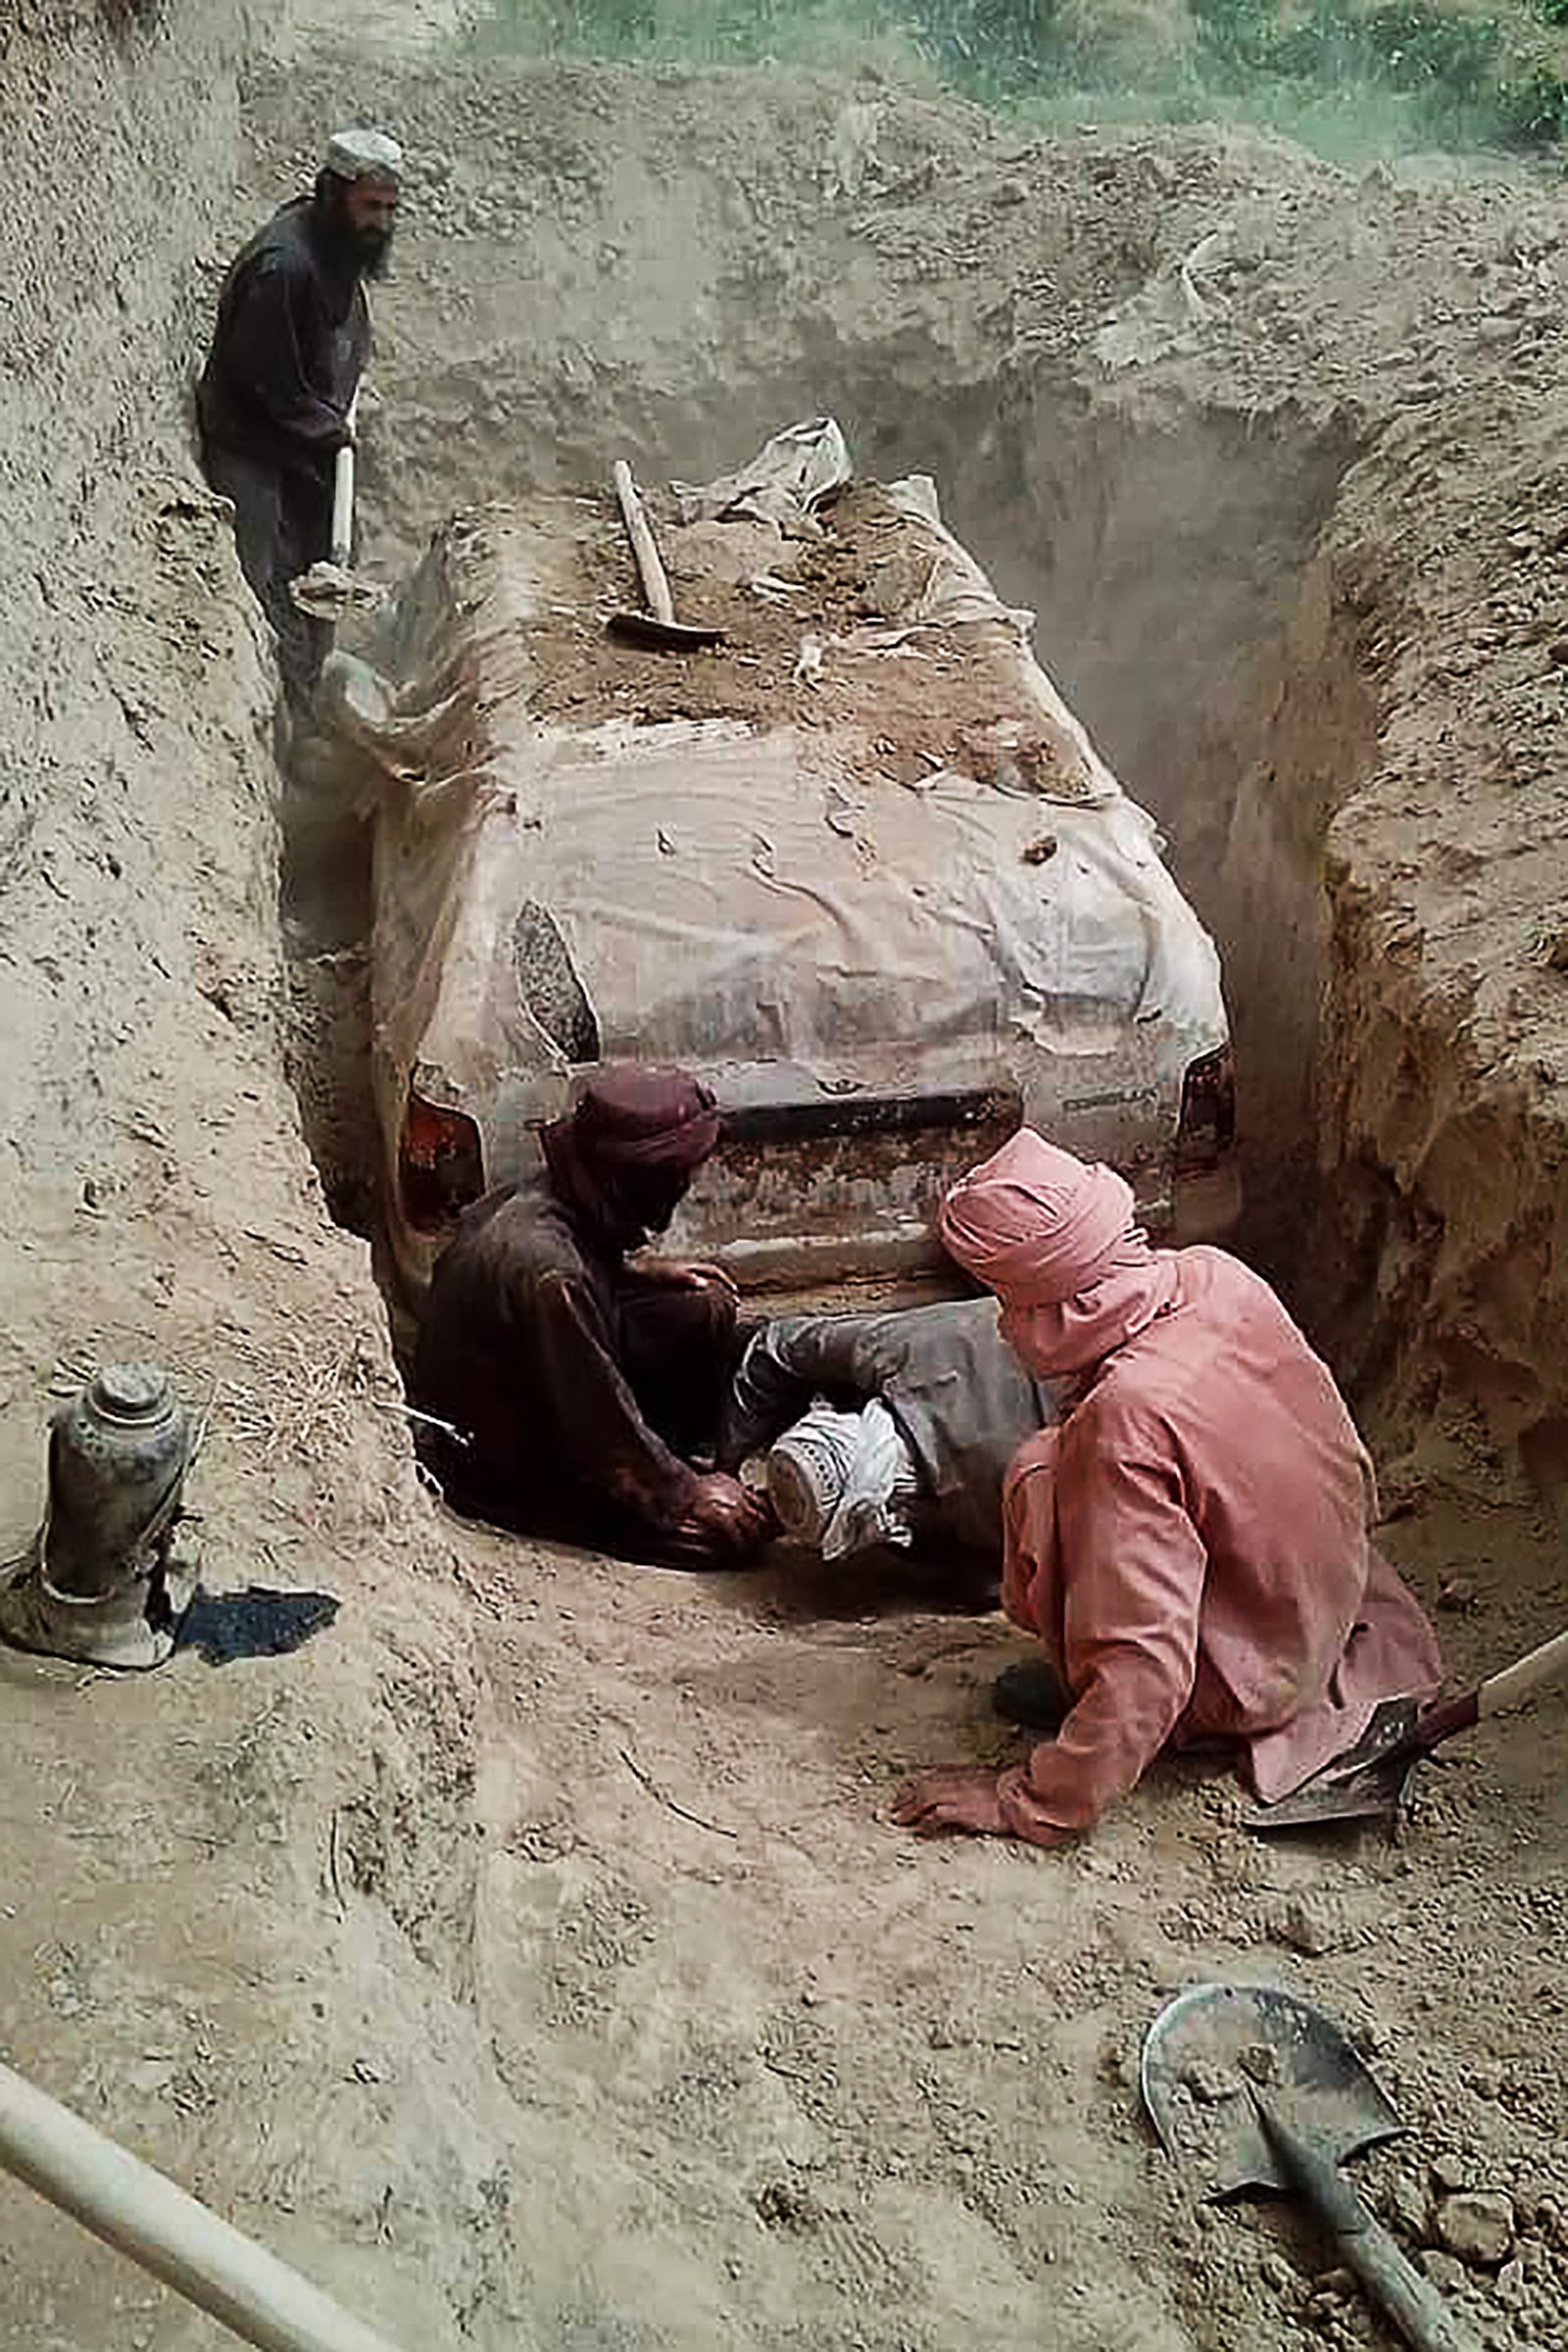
907, 842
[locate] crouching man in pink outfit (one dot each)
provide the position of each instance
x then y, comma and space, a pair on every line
1190, 1545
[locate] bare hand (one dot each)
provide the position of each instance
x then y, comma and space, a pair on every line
689, 1274
724, 1522
964, 1803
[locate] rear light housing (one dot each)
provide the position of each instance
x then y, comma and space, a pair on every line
440, 1164
1206, 1133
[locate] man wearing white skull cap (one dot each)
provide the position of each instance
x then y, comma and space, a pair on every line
276, 394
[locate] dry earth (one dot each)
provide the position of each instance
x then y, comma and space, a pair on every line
529, 1956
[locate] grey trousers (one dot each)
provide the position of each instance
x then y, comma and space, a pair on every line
282, 525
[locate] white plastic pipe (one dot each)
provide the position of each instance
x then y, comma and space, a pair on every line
134, 2209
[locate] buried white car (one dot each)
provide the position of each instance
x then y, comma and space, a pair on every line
857, 865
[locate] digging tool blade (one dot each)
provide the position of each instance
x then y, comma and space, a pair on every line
1254, 2089
1207, 2051
1367, 1783
677, 636
1364, 1784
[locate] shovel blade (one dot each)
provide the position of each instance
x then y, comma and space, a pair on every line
1373, 1793
1212, 2048
1364, 1784
677, 636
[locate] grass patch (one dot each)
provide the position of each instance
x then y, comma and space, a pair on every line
1350, 78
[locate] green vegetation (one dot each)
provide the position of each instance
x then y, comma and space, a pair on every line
1349, 76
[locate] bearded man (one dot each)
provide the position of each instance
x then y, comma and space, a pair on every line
583, 1384
1190, 1546
276, 394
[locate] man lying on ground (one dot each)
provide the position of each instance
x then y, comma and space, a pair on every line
585, 1385
894, 1428
1191, 1543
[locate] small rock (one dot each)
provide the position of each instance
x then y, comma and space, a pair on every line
1477, 2225
1446, 2274
1486, 2081
781, 2205
1448, 2171
1310, 1923
1512, 2286
1211, 2085
1534, 2202
1118, 2065
1408, 2204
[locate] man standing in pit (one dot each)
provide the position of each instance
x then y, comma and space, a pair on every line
275, 398
587, 1388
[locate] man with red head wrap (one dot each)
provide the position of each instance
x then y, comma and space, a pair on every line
1190, 1545
583, 1383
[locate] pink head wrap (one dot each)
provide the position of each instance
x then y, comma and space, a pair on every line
1033, 1223
1055, 1238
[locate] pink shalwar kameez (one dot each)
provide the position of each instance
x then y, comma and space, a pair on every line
1190, 1544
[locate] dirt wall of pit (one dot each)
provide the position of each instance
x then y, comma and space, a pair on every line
210, 1871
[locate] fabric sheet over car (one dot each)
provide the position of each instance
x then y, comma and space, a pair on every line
728, 893
860, 857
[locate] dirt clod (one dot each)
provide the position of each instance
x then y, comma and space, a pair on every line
1477, 2226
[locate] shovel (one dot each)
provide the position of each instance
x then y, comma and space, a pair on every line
1257, 2089
659, 625
332, 588
1367, 1781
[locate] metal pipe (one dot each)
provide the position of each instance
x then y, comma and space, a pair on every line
135, 2210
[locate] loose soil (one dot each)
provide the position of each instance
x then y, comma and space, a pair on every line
819, 648
528, 1955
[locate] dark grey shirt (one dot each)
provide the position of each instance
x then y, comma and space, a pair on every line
962, 1398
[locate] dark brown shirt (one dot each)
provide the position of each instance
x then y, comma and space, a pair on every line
536, 1338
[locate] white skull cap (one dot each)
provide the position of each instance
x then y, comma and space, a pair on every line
807, 1468
358, 154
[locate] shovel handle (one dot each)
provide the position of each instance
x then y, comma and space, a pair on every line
342, 546
1394, 2283
650, 571
1464, 1710
143, 2215
1505, 1689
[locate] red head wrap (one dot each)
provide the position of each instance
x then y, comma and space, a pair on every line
634, 1117
629, 1150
